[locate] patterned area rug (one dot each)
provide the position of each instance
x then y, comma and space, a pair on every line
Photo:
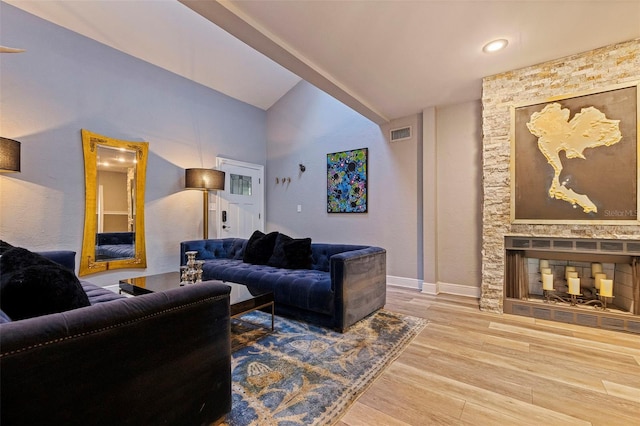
306, 375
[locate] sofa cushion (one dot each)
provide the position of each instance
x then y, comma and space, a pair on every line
291, 253
259, 248
32, 285
98, 294
305, 289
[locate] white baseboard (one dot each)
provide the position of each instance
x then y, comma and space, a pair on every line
404, 282
434, 288
448, 288
430, 288
459, 290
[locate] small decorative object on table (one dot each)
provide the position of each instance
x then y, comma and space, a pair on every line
192, 272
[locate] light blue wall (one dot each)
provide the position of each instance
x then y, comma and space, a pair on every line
65, 82
424, 193
303, 127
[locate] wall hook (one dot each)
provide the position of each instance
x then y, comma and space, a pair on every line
302, 167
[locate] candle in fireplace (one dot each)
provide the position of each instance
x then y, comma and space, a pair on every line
598, 278
547, 281
574, 286
606, 288
572, 274
568, 269
545, 271
544, 263
596, 268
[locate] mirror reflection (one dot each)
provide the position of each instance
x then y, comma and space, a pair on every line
115, 198
114, 209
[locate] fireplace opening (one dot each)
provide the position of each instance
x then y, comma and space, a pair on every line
587, 282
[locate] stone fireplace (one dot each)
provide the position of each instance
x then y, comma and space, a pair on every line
611, 65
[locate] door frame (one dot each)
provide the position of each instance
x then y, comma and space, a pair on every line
221, 161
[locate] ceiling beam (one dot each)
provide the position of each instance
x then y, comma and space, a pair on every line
226, 16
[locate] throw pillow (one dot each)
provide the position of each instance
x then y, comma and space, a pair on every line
32, 285
4, 246
291, 253
298, 252
259, 248
279, 259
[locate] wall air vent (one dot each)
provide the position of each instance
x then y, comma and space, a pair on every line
400, 134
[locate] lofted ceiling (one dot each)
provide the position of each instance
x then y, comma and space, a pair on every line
384, 58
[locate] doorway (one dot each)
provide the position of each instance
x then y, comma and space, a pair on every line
240, 209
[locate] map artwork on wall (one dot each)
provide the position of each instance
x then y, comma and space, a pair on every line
347, 181
575, 159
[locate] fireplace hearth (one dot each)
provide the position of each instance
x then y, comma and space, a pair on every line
587, 282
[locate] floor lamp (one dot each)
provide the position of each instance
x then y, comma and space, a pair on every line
205, 180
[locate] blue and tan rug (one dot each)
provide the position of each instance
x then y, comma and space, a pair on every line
307, 375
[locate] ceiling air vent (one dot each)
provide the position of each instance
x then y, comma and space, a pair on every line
400, 134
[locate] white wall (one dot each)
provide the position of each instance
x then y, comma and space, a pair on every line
65, 82
306, 125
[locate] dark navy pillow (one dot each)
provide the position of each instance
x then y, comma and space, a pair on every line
4, 246
32, 285
291, 253
259, 248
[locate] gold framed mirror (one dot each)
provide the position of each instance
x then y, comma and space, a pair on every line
115, 173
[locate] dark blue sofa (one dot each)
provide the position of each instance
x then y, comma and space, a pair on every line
345, 283
160, 358
115, 245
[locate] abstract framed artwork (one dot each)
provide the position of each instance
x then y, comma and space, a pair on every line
575, 159
347, 181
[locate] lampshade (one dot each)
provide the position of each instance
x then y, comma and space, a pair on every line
10, 155
203, 179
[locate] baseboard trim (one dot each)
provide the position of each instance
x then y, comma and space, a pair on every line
430, 288
404, 282
459, 290
448, 288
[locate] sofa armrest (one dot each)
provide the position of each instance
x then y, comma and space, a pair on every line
161, 358
359, 279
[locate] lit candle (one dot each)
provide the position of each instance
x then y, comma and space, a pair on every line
606, 288
572, 274
574, 286
545, 271
547, 281
568, 269
598, 278
595, 269
544, 264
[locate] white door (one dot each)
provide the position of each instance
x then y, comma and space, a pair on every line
241, 205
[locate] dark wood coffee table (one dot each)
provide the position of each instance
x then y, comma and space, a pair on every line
243, 299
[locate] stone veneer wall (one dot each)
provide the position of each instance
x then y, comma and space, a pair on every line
590, 71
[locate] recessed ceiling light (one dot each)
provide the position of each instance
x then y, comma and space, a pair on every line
495, 45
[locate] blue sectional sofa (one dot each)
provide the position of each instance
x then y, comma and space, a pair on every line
343, 283
161, 358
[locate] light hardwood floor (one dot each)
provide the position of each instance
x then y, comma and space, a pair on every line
468, 367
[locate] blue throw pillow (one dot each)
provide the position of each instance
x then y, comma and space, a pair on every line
259, 248
290, 253
32, 285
